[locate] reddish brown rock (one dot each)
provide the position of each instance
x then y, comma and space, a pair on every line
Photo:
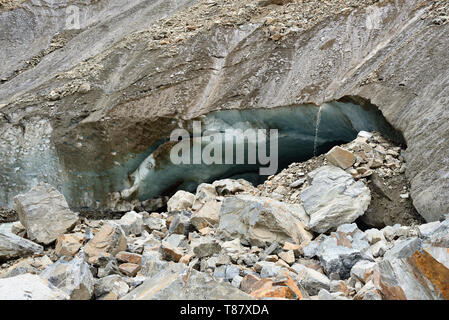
129, 269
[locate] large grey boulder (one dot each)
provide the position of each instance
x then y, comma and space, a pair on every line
12, 246
44, 213
261, 220
334, 198
73, 277
178, 282
29, 287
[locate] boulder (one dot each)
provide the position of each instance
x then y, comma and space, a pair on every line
108, 241
12, 246
178, 282
29, 287
73, 277
412, 270
181, 200
44, 213
261, 220
334, 198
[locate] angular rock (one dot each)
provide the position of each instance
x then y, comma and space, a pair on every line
340, 251
287, 256
18, 229
178, 282
227, 187
131, 223
129, 269
311, 280
152, 263
68, 244
73, 277
283, 287
207, 215
206, 248
334, 198
340, 157
113, 283
44, 213
262, 220
124, 256
29, 287
204, 193
108, 241
414, 271
181, 200
12, 246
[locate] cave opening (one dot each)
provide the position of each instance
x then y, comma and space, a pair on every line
303, 131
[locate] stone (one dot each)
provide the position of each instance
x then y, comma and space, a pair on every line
109, 240
298, 183
427, 229
205, 192
154, 223
233, 248
207, 215
107, 266
326, 295
69, 244
131, 223
178, 282
12, 246
368, 292
268, 269
411, 270
231, 272
363, 270
262, 220
228, 187
129, 269
18, 229
152, 263
334, 198
340, 157
171, 253
124, 256
114, 284
44, 213
311, 280
284, 287
287, 256
206, 248
340, 251
181, 224
374, 235
181, 200
237, 281
73, 277
29, 287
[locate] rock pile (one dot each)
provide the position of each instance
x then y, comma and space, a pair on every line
297, 236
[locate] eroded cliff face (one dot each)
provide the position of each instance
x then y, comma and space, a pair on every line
88, 113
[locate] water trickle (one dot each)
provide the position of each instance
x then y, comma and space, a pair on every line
317, 128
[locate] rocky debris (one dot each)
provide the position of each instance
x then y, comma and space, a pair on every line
108, 241
234, 243
263, 220
69, 244
207, 215
44, 213
29, 287
73, 277
131, 223
333, 198
180, 282
311, 280
181, 200
110, 286
12, 246
340, 251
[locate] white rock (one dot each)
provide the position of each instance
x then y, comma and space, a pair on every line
181, 200
131, 223
29, 287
